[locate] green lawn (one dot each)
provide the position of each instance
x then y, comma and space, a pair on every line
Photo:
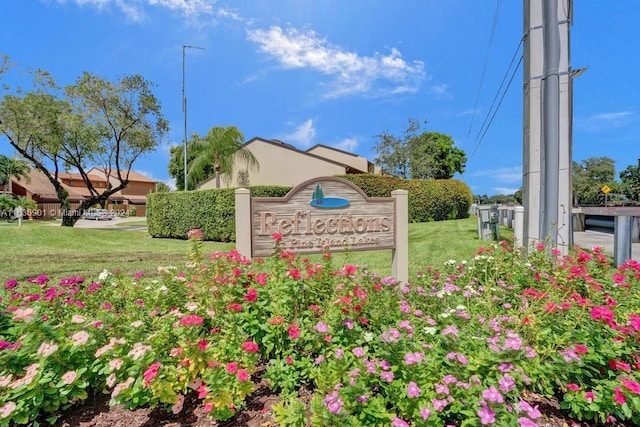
40, 248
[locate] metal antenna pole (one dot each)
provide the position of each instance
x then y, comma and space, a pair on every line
184, 110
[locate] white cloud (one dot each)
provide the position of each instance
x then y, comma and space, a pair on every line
134, 10
350, 72
504, 190
440, 91
347, 144
607, 120
303, 135
506, 175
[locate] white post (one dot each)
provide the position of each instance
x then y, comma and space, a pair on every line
400, 255
518, 225
243, 222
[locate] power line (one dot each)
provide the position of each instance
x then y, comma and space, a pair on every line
479, 138
484, 66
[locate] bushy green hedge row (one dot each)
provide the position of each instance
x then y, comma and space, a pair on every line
429, 200
212, 211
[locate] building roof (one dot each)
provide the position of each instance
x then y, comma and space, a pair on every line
40, 186
284, 145
77, 176
332, 148
133, 175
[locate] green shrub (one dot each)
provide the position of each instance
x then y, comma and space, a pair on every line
429, 200
212, 211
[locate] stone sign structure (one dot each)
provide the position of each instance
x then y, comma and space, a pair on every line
324, 213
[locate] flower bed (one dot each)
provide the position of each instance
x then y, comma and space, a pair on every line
464, 344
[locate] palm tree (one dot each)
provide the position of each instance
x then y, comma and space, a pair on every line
11, 167
221, 148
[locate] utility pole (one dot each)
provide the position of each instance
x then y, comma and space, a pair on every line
184, 110
547, 132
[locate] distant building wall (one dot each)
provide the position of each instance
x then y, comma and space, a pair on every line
279, 165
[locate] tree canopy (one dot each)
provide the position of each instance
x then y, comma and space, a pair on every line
93, 123
11, 167
589, 176
213, 155
419, 155
630, 178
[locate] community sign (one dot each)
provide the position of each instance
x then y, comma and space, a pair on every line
323, 213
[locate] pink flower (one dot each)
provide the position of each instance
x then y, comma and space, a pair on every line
425, 413
151, 373
399, 422
177, 407
249, 347
413, 390
506, 383
441, 389
358, 351
294, 331
450, 330
573, 387
512, 342
532, 412
632, 386
235, 307
589, 396
69, 377
616, 364
526, 422
619, 397
487, 416
251, 295
276, 236
191, 319
80, 338
411, 358
333, 402
7, 409
202, 344
195, 234
322, 327
232, 367
46, 349
243, 375
387, 376
493, 395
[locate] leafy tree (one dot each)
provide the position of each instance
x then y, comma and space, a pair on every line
176, 165
93, 123
419, 155
162, 187
630, 178
221, 148
589, 176
11, 167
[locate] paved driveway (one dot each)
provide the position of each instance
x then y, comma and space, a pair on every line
119, 223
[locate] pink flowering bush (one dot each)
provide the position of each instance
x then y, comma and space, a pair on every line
465, 343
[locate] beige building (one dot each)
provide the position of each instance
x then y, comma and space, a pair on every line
283, 164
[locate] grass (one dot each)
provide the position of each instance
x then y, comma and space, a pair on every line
41, 248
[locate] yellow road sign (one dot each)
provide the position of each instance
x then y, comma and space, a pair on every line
605, 189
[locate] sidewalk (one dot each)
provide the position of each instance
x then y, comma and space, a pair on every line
589, 239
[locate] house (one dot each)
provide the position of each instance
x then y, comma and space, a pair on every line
38, 188
133, 198
285, 165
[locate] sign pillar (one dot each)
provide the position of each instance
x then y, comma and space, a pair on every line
400, 261
243, 222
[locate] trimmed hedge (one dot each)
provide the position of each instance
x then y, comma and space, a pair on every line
173, 214
429, 200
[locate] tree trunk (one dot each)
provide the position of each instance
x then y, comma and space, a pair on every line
69, 218
217, 169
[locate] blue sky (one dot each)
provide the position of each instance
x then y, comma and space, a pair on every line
339, 72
